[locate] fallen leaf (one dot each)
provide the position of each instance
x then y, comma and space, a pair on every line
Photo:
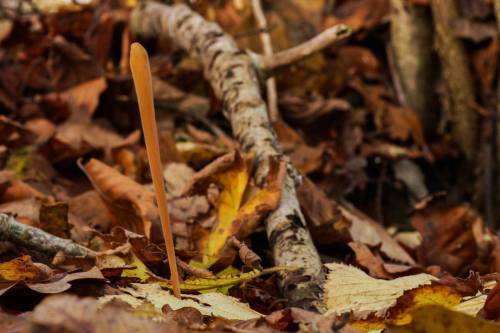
22, 272
438, 319
83, 98
235, 217
54, 219
368, 260
177, 177
359, 14
131, 204
74, 139
349, 289
492, 303
14, 134
22, 269
210, 304
449, 232
364, 230
471, 306
68, 313
64, 284
88, 210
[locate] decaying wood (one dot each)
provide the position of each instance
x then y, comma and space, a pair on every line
411, 46
457, 76
233, 77
34, 238
267, 46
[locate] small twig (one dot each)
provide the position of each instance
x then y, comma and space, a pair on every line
141, 73
37, 239
265, 39
299, 52
247, 256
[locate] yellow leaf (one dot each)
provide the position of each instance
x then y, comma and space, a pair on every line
426, 295
235, 216
140, 271
19, 269
437, 319
234, 182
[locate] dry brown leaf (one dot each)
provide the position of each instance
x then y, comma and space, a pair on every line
88, 210
450, 234
22, 272
73, 139
14, 134
131, 204
82, 99
86, 316
365, 230
370, 261
43, 128
27, 211
53, 218
325, 220
359, 14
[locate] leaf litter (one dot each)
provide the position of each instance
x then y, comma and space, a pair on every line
405, 222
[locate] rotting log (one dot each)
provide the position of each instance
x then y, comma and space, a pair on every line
233, 75
457, 76
37, 239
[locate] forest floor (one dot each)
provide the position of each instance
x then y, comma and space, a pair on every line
329, 166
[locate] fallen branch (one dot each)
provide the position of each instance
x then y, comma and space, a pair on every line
34, 238
267, 46
233, 77
299, 52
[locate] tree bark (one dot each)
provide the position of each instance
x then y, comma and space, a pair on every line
234, 80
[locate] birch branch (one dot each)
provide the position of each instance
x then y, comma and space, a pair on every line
34, 238
265, 39
234, 80
287, 57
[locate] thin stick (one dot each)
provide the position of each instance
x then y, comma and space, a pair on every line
299, 52
265, 39
141, 73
